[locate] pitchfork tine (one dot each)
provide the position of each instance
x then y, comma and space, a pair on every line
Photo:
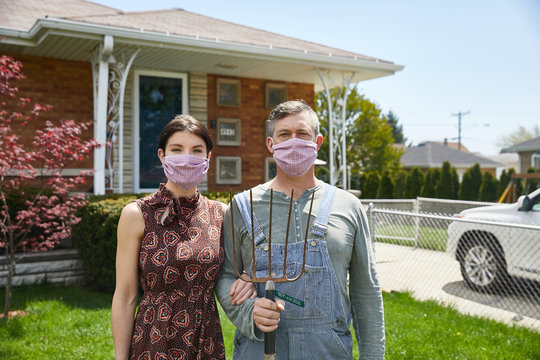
287, 236
305, 241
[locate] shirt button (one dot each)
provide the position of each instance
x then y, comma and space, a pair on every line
298, 227
297, 235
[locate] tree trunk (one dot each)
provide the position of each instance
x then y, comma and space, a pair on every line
10, 263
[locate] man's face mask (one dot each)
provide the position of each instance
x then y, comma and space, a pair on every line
295, 156
186, 171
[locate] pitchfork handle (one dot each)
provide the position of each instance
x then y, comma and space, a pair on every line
270, 337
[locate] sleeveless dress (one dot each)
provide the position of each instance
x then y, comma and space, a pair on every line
179, 263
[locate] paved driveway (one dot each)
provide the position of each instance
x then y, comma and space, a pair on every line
435, 275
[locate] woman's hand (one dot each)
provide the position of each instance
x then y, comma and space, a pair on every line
242, 290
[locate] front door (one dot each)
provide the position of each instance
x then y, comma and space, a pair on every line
159, 97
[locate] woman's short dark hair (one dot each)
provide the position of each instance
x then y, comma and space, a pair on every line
188, 124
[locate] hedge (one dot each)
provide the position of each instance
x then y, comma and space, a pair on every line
94, 236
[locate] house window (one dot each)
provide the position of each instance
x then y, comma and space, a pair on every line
535, 160
228, 92
228, 170
274, 94
158, 98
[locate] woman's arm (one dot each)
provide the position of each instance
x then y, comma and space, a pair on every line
129, 233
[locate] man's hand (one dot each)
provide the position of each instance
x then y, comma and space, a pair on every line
242, 290
266, 313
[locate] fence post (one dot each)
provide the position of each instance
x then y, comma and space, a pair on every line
416, 222
371, 224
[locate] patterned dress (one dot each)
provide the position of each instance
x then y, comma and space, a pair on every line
180, 260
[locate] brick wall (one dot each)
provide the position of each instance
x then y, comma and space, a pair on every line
253, 116
67, 86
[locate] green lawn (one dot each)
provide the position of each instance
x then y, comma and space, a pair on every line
74, 323
428, 237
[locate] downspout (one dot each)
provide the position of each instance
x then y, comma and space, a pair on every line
100, 124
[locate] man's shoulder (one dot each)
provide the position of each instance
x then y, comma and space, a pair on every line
344, 195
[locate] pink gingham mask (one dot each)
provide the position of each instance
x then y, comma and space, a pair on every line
186, 171
295, 156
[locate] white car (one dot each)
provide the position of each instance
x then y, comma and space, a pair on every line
489, 253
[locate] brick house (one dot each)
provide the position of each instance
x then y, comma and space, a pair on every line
131, 72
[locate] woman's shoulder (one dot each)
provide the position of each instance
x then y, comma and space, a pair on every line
132, 211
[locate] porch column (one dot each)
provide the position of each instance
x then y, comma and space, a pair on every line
100, 111
337, 141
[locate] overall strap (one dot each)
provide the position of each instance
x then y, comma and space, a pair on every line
242, 201
319, 227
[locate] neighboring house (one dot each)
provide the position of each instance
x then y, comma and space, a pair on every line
131, 72
529, 154
432, 155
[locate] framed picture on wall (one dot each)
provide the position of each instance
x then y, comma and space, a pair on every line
274, 94
228, 92
269, 168
229, 132
228, 170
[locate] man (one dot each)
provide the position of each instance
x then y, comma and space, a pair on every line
315, 319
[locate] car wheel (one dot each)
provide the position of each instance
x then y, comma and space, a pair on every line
483, 266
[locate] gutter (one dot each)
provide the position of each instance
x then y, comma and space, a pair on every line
214, 46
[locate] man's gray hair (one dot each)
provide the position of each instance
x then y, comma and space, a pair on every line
290, 108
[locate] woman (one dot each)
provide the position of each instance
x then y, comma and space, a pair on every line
171, 240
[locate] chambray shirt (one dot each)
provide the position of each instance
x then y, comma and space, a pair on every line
349, 245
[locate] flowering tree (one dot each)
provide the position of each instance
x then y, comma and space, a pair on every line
45, 215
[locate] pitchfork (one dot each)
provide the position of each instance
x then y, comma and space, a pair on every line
269, 337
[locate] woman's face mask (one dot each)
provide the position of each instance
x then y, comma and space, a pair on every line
295, 156
185, 170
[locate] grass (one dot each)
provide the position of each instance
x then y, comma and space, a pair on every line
74, 323
428, 237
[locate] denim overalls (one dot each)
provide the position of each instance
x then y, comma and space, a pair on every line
319, 329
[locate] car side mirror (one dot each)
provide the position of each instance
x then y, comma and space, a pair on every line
524, 203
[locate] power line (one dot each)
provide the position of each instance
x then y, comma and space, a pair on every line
459, 115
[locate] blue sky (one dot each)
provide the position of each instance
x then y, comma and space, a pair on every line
481, 56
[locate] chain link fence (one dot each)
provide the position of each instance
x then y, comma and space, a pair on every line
483, 268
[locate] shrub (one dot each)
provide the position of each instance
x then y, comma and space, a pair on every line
95, 239
445, 186
370, 186
488, 188
386, 186
470, 185
414, 183
431, 181
399, 184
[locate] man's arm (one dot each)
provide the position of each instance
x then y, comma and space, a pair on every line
365, 294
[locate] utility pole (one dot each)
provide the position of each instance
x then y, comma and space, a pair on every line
459, 115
